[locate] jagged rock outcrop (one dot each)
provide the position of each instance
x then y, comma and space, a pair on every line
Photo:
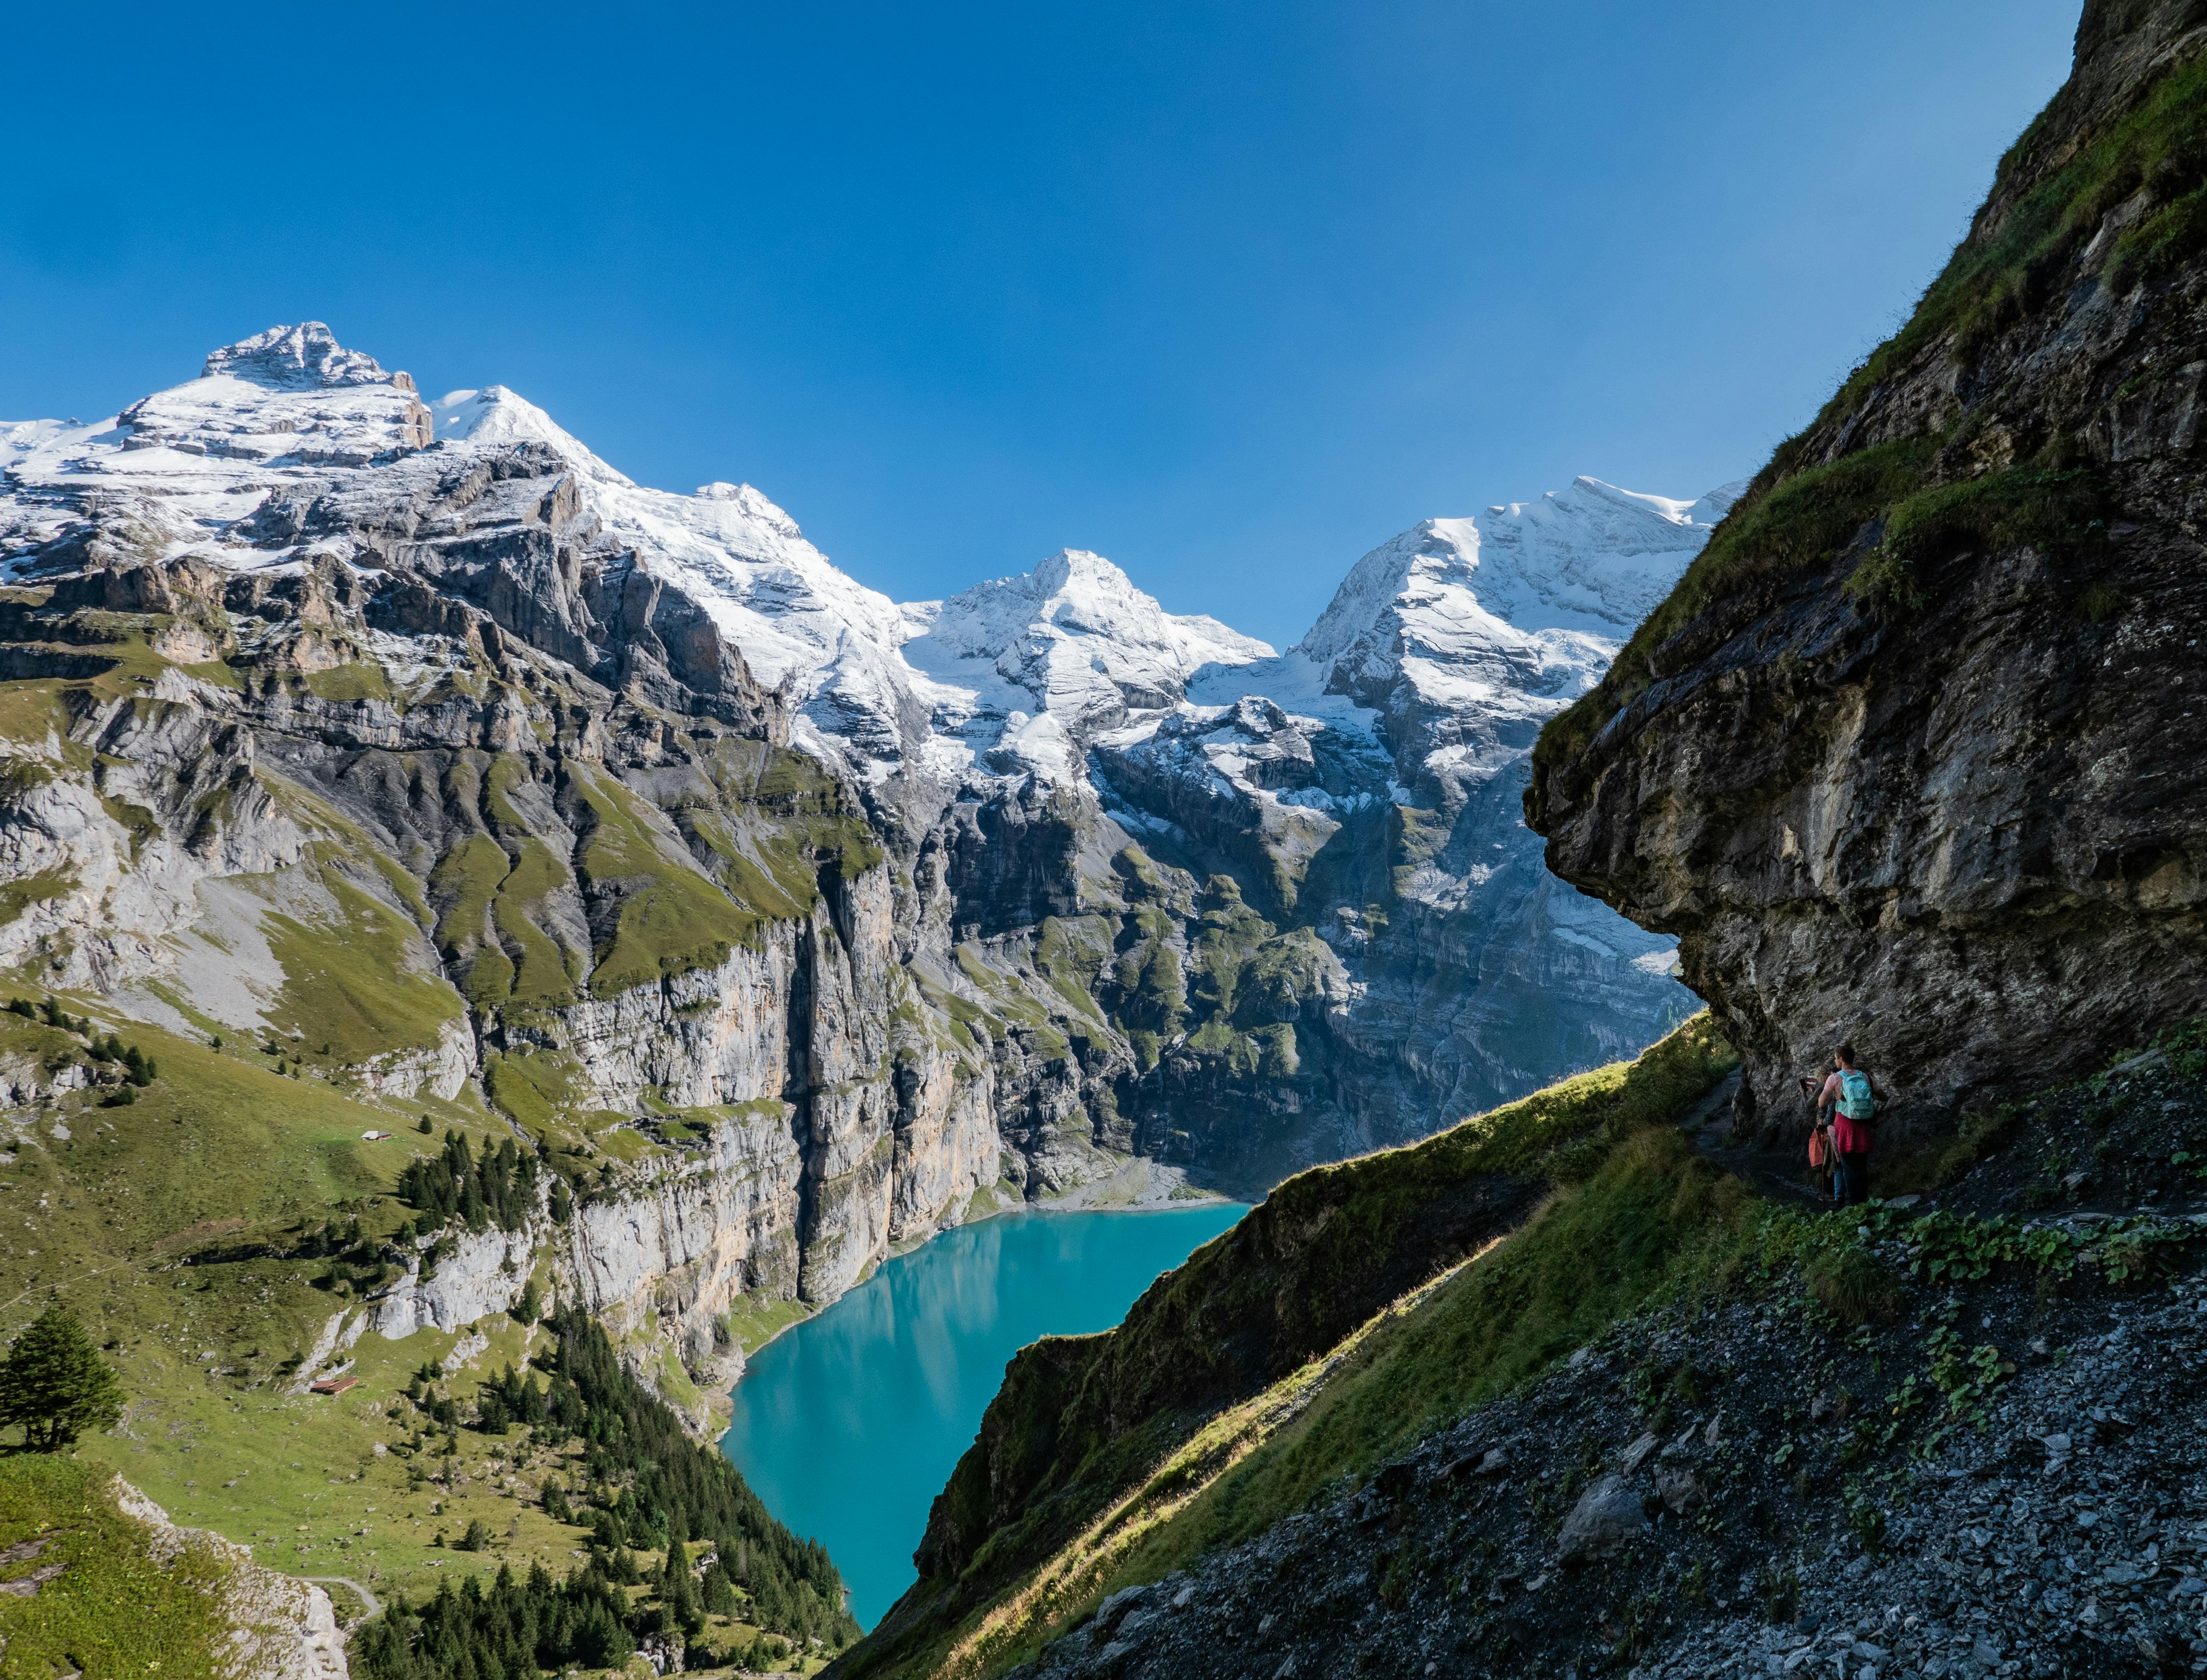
1911, 756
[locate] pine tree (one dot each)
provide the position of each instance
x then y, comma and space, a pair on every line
719, 1598
677, 1588
55, 1385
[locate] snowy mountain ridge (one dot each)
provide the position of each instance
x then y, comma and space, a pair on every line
1038, 746
1026, 671
1501, 613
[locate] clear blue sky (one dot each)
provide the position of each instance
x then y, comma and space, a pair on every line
1229, 292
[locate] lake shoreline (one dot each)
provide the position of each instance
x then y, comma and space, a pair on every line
848, 1431
1169, 1192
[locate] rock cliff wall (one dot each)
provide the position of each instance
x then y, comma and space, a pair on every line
1911, 756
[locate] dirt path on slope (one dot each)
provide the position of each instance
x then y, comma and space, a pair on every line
367, 1599
1779, 1174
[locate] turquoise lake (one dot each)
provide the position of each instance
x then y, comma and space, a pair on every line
849, 1423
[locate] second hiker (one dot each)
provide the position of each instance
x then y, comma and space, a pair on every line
1851, 1097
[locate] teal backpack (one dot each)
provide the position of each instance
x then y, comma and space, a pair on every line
1856, 1102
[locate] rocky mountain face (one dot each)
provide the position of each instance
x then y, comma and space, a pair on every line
1912, 755
416, 746
1365, 781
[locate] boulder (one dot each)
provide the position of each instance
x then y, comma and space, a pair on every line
1607, 1517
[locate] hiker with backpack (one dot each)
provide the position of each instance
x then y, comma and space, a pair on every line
1850, 1098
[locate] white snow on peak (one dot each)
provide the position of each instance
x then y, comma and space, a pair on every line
796, 618
1522, 605
184, 465
1074, 639
296, 358
1465, 633
755, 503
1591, 558
291, 410
496, 416
18, 438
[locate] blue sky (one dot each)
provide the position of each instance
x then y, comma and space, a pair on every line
1229, 292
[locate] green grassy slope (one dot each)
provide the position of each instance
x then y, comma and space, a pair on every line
1217, 1354
1638, 1227
220, 1154
86, 1592
146, 1218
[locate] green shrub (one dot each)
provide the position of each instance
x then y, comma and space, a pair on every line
1852, 1286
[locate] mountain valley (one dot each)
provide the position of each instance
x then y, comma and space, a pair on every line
487, 944
410, 784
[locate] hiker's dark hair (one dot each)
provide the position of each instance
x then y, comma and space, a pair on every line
1847, 1054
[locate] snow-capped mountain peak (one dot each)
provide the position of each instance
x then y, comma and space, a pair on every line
305, 357
799, 622
1591, 560
1074, 638
753, 503
1451, 643
1463, 633
177, 471
494, 416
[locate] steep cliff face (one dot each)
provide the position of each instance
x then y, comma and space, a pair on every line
1911, 754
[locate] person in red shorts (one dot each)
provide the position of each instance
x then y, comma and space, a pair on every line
1851, 1097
